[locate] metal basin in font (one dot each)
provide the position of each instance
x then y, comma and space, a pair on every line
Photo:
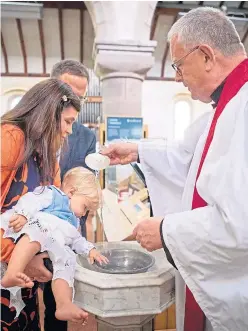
125, 261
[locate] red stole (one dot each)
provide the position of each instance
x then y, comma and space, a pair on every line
194, 317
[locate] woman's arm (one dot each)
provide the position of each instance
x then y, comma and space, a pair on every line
12, 146
12, 142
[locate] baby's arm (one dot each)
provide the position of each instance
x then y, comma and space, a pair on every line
28, 205
81, 246
17, 222
32, 202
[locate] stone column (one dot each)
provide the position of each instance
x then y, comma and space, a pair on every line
122, 52
128, 323
122, 68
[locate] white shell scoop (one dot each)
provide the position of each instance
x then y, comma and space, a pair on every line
97, 161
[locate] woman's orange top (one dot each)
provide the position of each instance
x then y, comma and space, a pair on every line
12, 147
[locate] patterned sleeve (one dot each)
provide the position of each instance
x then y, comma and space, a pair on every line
81, 246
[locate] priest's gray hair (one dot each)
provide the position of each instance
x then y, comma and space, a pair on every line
206, 25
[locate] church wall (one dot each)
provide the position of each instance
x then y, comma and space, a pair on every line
158, 98
158, 104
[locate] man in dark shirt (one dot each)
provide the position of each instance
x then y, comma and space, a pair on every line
81, 142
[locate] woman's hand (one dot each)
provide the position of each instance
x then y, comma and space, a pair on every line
36, 269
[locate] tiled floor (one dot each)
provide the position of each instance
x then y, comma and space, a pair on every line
91, 326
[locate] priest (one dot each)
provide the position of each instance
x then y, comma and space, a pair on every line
199, 186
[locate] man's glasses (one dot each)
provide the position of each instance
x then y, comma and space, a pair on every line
176, 65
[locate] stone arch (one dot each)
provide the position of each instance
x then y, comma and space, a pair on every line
123, 52
121, 20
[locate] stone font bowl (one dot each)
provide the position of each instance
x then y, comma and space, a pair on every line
125, 261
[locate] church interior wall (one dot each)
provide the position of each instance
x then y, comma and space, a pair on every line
158, 100
158, 97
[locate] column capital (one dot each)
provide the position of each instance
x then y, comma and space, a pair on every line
125, 45
124, 75
125, 56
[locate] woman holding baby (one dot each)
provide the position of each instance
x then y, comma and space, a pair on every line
31, 135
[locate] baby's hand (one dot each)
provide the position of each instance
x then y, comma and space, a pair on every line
94, 255
17, 222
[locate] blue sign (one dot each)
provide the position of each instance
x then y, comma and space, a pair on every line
130, 128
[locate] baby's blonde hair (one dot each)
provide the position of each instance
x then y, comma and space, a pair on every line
84, 182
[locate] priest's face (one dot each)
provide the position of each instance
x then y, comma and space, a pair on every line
190, 69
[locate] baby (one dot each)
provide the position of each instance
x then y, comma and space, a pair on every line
47, 220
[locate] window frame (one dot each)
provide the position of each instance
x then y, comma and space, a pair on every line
182, 97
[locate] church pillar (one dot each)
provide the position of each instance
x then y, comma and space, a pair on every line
123, 52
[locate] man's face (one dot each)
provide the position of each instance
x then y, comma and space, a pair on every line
192, 70
78, 84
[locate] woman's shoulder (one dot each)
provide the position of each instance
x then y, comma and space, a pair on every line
10, 131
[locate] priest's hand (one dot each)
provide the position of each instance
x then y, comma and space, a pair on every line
121, 153
147, 233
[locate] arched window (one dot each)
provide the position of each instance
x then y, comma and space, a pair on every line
13, 100
10, 98
182, 117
